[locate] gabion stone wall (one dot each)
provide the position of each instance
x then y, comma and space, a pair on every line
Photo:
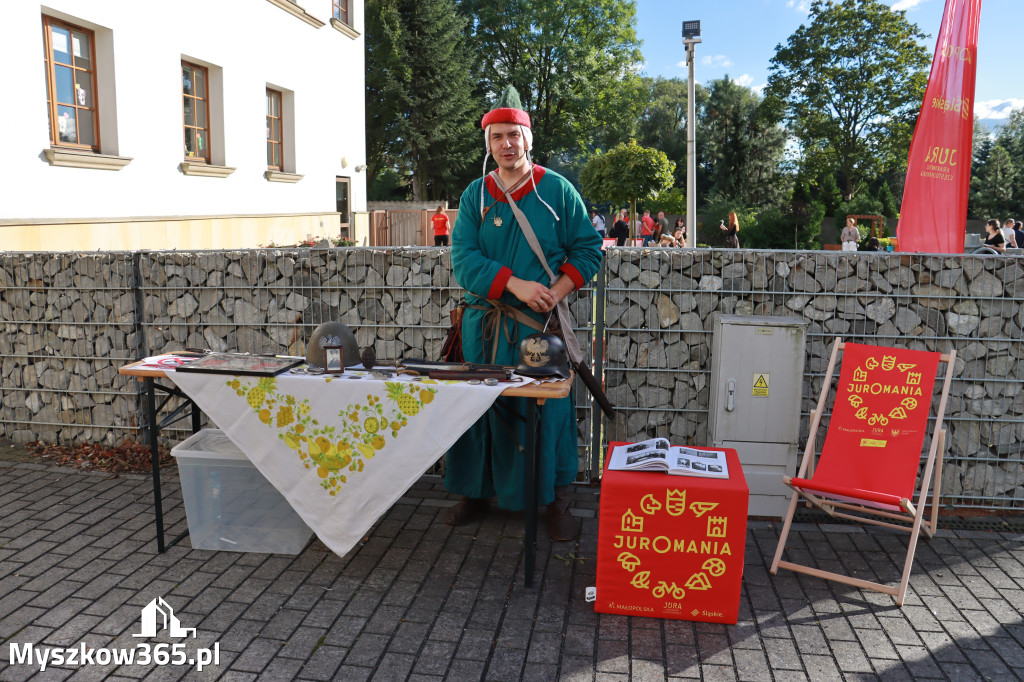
69, 321
658, 323
270, 301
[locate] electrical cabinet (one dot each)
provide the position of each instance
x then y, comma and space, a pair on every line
757, 367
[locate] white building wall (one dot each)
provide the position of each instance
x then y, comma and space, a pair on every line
254, 43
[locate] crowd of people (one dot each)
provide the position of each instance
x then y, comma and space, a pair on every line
1008, 236
657, 231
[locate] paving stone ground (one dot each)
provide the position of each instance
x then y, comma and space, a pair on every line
419, 600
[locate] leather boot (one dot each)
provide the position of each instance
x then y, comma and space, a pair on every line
561, 525
467, 510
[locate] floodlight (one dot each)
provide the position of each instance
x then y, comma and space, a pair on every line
691, 29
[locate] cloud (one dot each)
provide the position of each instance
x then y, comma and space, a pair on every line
801, 5
997, 108
906, 4
718, 60
745, 80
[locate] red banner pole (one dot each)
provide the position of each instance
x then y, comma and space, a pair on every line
934, 211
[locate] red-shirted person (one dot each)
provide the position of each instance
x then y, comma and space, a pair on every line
647, 230
442, 227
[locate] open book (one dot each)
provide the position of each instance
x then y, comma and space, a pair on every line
657, 455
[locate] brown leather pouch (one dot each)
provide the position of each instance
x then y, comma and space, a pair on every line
451, 349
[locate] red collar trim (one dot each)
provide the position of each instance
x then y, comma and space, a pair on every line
492, 187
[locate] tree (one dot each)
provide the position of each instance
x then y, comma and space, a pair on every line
742, 146
828, 193
566, 59
420, 102
850, 84
626, 174
888, 201
1011, 138
993, 185
662, 122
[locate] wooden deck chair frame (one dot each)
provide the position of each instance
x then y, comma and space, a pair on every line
910, 512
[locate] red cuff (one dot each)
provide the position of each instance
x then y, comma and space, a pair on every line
574, 275
500, 280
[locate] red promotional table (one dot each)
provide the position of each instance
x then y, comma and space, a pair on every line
672, 546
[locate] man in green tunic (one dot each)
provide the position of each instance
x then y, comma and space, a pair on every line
492, 261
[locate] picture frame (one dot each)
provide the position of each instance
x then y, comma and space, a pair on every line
239, 364
334, 360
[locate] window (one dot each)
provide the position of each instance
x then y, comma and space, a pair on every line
341, 11
71, 85
275, 155
196, 104
341, 195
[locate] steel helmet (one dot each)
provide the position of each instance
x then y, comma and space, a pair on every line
332, 334
542, 356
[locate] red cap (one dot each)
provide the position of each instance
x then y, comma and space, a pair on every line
505, 115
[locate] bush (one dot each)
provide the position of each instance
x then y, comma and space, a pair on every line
786, 229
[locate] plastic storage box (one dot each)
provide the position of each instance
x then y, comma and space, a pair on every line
229, 504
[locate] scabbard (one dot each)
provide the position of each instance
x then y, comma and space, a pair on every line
585, 375
481, 374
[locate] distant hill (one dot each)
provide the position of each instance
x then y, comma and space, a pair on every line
993, 113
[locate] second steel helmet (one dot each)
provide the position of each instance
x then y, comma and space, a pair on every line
332, 334
542, 356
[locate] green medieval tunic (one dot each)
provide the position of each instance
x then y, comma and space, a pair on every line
487, 460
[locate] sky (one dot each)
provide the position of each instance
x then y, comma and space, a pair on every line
739, 39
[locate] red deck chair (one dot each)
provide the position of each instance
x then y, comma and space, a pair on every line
872, 453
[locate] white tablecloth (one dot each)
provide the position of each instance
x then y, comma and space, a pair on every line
340, 449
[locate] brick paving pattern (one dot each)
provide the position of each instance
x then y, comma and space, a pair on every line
419, 600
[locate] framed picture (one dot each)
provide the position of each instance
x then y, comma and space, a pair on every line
240, 364
334, 360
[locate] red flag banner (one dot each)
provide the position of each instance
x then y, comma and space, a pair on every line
934, 211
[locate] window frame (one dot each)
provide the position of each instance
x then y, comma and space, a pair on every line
277, 95
340, 7
51, 85
344, 216
205, 101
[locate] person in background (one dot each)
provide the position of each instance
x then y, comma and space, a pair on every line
1018, 233
620, 229
1008, 235
873, 244
732, 236
850, 236
995, 236
663, 226
666, 239
442, 227
597, 220
647, 228
679, 232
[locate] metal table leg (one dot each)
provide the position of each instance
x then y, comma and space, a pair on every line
154, 425
154, 456
530, 483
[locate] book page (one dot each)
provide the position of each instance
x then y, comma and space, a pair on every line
692, 462
650, 454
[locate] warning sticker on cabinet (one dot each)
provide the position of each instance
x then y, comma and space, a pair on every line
760, 386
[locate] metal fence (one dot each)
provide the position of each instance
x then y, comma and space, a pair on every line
71, 319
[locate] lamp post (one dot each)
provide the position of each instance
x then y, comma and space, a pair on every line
691, 36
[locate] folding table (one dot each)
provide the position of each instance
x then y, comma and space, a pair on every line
538, 394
